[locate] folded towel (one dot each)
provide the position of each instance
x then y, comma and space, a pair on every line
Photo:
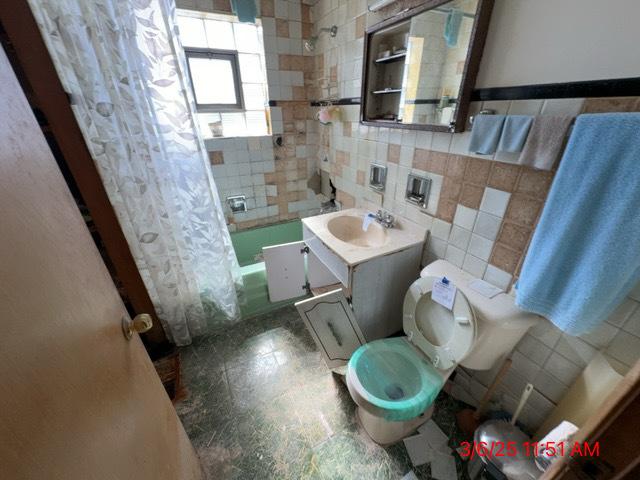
245, 10
485, 133
514, 133
583, 259
452, 27
545, 141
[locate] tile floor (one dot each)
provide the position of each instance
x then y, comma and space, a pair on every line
260, 404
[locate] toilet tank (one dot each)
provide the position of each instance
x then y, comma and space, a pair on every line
500, 323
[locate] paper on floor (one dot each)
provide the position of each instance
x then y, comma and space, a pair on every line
436, 437
410, 476
420, 452
443, 467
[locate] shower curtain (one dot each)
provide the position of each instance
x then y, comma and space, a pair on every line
123, 66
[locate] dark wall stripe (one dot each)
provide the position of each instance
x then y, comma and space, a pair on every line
617, 87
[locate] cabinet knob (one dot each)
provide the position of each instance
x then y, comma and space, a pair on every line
141, 323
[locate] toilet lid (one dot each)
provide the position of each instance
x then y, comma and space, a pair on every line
444, 336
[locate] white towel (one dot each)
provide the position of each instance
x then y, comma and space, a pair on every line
545, 141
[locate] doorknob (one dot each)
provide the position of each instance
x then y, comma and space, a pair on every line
141, 323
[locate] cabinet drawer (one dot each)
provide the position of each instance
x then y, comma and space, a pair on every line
332, 325
332, 261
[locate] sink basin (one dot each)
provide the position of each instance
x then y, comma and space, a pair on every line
348, 228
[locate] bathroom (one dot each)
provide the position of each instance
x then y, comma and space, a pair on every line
349, 235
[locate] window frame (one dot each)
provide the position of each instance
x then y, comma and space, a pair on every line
232, 57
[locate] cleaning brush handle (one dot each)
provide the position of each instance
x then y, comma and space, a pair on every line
523, 399
492, 388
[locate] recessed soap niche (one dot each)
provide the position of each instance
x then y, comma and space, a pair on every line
417, 191
377, 177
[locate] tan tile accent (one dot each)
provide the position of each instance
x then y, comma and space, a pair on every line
534, 182
360, 177
272, 201
471, 195
222, 6
456, 166
450, 190
523, 210
343, 158
503, 176
505, 258
446, 210
346, 129
361, 23
307, 29
611, 104
420, 158
299, 93
306, 13
333, 73
477, 171
514, 236
216, 158
267, 8
347, 201
282, 28
393, 153
437, 162
284, 62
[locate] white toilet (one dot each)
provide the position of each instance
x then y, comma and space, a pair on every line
394, 381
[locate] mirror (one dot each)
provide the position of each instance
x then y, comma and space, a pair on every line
420, 66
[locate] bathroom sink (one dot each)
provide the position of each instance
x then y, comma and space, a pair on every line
348, 228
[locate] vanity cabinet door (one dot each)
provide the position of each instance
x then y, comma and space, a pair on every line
286, 277
332, 325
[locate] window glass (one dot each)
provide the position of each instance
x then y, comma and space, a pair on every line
213, 81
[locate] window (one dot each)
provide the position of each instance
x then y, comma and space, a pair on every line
226, 63
215, 78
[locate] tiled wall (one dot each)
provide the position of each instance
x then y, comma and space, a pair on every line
273, 178
481, 213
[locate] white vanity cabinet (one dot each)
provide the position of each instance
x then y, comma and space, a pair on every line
353, 303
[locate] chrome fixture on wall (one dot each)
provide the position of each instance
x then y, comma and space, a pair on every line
310, 44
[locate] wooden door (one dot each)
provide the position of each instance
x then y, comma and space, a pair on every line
77, 400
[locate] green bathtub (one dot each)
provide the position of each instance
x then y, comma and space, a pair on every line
248, 247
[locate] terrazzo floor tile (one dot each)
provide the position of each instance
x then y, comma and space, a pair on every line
261, 404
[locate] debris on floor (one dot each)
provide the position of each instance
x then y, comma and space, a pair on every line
430, 445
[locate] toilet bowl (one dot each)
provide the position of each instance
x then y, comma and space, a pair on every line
394, 381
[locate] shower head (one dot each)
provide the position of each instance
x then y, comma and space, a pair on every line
310, 44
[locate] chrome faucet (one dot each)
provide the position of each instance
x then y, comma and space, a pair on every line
385, 219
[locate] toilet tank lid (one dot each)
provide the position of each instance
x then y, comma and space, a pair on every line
500, 309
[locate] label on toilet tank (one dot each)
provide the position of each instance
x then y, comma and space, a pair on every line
444, 292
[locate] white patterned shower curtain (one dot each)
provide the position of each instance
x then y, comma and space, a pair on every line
122, 64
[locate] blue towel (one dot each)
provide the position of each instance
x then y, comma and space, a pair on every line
245, 10
452, 27
584, 257
514, 133
485, 133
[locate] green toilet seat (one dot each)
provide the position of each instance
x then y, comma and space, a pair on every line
395, 382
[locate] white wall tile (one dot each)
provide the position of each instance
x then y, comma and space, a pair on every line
454, 256
549, 386
487, 225
494, 201
480, 247
534, 349
575, 350
625, 347
474, 266
621, 314
562, 369
465, 217
497, 277
440, 229
546, 332
459, 237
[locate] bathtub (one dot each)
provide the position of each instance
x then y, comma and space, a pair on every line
248, 247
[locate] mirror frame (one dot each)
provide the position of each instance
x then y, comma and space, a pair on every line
469, 73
